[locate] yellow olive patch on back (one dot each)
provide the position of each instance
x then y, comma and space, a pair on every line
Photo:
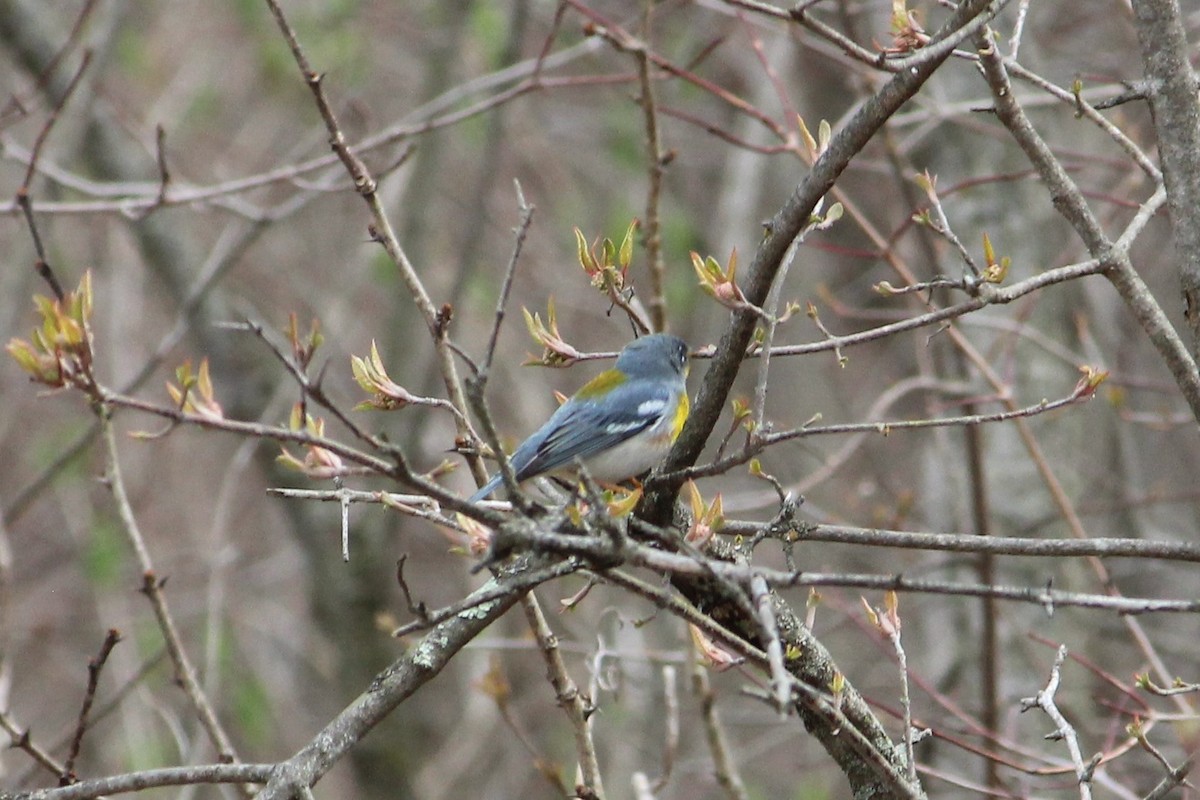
600, 385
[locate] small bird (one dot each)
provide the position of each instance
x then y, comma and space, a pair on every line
621, 423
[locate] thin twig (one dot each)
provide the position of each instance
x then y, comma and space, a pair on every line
484, 595
1071, 204
671, 726
1063, 729
519, 234
728, 777
20, 739
399, 681
888, 621
148, 779
1074, 208
539, 541
942, 226
40, 264
1180, 551
577, 708
1178, 687
759, 443
491, 437
1089, 112
116, 698
42, 84
67, 776
655, 169
344, 508
829, 710
164, 174
397, 469
382, 231
622, 40
152, 588
24, 201
781, 688
44, 133
791, 219
1172, 780
770, 323
1018, 28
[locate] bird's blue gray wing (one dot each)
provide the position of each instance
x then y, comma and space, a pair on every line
581, 428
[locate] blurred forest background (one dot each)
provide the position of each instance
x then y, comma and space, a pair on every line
449, 102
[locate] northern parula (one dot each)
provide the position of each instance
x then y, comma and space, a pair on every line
620, 424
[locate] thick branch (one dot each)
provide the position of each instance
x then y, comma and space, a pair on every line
148, 779
782, 229
1069, 201
390, 688
1176, 112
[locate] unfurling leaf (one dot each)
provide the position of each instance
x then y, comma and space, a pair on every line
711, 653
928, 183
304, 348
719, 282
871, 613
194, 394
318, 462
1090, 382
609, 270
824, 136
886, 621
384, 393
622, 502
810, 144
479, 536
625, 256
586, 260
996, 270
707, 519
556, 352
837, 687
907, 32
989, 254
740, 407
891, 605
445, 468
59, 351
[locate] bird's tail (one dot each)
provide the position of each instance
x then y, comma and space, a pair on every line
487, 489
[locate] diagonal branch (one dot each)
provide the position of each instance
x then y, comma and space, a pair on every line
1176, 112
782, 229
1070, 203
393, 686
436, 319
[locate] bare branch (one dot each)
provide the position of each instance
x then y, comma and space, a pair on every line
1175, 108
152, 588
394, 685
381, 229
519, 234
137, 781
784, 227
577, 707
1063, 729
1069, 201
95, 666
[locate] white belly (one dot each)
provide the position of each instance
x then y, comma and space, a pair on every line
627, 459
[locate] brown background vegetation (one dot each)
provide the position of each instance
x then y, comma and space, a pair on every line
284, 634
